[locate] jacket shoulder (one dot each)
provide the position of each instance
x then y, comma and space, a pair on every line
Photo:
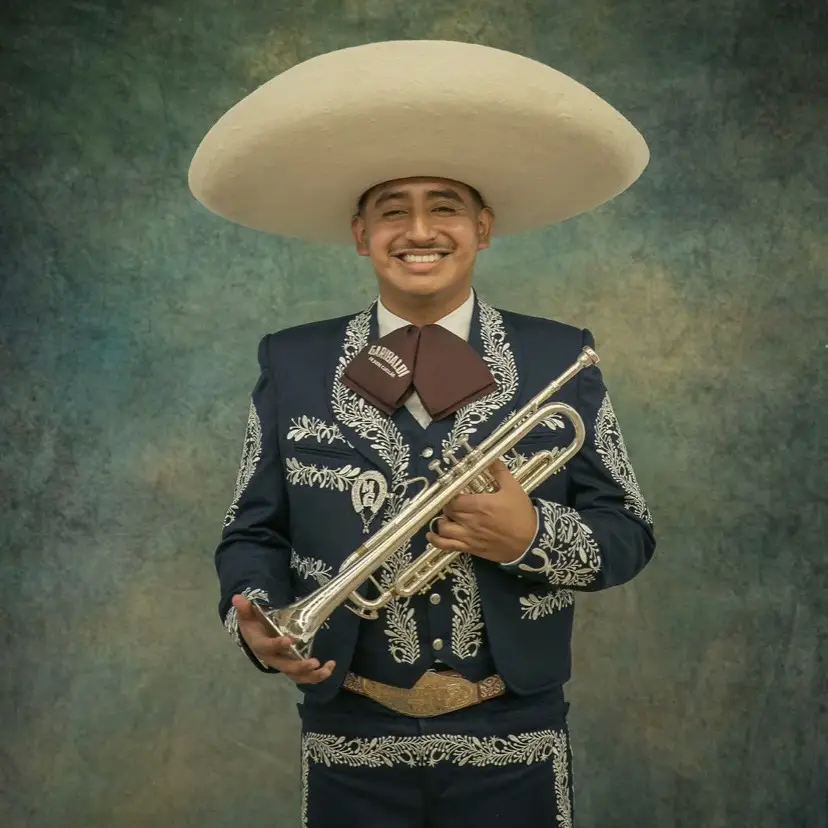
308, 332
309, 341
533, 327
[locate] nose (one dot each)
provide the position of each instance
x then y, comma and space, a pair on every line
421, 229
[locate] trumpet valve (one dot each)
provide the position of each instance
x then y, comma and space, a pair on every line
436, 466
483, 483
464, 443
449, 457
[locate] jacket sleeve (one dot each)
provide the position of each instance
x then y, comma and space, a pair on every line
603, 536
253, 556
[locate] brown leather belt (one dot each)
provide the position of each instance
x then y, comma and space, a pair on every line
433, 694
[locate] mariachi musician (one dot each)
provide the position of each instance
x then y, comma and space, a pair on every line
446, 708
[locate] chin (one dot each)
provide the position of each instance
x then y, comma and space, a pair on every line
423, 287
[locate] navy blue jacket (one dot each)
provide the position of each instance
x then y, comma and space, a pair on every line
316, 456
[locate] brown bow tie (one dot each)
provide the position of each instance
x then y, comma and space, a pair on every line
444, 369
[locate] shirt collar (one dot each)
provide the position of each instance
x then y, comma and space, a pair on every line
458, 322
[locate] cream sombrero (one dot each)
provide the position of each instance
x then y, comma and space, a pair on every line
294, 156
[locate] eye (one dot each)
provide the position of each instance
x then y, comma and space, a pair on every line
392, 213
445, 208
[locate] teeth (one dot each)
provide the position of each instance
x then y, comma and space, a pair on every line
431, 257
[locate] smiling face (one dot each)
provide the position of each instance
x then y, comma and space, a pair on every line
422, 236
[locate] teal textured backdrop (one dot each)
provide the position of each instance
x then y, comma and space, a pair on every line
130, 319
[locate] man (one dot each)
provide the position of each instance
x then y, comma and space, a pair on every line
448, 708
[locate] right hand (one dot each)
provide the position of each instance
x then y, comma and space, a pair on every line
274, 651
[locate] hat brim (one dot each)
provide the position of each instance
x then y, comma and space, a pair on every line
294, 156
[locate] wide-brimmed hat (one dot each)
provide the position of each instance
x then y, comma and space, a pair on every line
295, 155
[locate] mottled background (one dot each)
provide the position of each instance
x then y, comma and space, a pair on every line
130, 319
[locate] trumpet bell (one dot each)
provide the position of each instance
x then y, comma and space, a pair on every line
283, 624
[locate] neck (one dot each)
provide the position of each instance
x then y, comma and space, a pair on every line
424, 310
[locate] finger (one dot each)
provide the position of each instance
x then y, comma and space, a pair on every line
462, 505
295, 667
447, 543
321, 674
249, 617
257, 631
277, 647
244, 610
274, 652
452, 530
313, 676
500, 471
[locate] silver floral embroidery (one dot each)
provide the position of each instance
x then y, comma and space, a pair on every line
309, 474
312, 428
466, 613
514, 460
497, 353
566, 549
251, 454
308, 567
432, 750
386, 439
554, 422
560, 763
611, 448
537, 606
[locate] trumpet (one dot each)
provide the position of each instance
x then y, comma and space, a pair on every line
302, 620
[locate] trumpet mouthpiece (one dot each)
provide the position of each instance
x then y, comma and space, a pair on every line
589, 357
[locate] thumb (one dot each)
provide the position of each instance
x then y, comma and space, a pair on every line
243, 608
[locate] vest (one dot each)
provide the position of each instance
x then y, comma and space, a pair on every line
448, 626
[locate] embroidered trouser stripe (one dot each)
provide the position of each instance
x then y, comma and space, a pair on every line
522, 780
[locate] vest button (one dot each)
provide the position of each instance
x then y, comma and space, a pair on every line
434, 598
437, 644
427, 452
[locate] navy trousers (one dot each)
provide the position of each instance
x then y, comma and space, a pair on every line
506, 762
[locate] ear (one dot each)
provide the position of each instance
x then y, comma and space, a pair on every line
485, 223
360, 234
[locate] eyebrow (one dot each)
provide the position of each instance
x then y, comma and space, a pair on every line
451, 195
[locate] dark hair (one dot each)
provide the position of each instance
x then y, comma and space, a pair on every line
478, 199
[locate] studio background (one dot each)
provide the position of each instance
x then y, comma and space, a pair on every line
130, 319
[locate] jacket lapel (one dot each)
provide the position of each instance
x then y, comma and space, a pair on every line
373, 434
494, 339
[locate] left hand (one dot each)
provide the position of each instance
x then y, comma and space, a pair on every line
498, 526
